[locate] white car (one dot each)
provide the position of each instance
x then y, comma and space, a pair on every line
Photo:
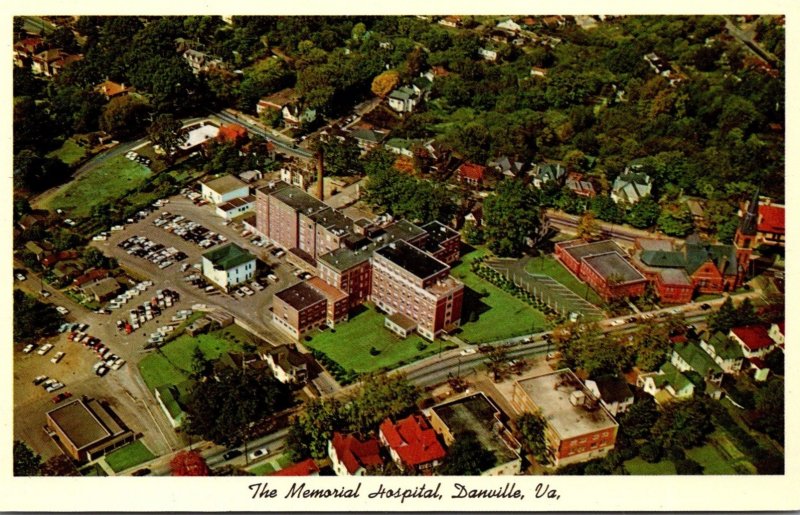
468, 352
57, 357
21, 277
53, 387
62, 310
259, 452
28, 348
45, 349
619, 321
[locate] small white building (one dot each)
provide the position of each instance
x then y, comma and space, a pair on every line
487, 54
229, 266
287, 365
224, 189
236, 207
403, 99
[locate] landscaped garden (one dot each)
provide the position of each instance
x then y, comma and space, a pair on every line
129, 456
549, 266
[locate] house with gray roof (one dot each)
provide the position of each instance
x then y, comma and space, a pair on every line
690, 356
508, 166
631, 186
666, 385
613, 392
543, 173
726, 352
404, 99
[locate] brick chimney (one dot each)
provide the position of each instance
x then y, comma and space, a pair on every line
320, 175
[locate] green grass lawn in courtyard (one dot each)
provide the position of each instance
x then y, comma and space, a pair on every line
350, 342
174, 363
101, 185
129, 456
549, 266
70, 152
500, 314
639, 467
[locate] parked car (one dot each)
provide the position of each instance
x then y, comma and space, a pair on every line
53, 387
142, 472
62, 310
44, 349
28, 348
57, 357
61, 397
258, 453
233, 453
39, 380
467, 352
21, 277
44, 293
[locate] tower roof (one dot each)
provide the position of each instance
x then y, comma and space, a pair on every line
749, 224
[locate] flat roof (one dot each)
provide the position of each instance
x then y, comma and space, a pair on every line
580, 250
439, 232
612, 265
237, 203
331, 292
344, 258
199, 135
229, 256
225, 184
300, 296
551, 393
477, 414
412, 259
299, 200
654, 244
402, 321
79, 424
333, 221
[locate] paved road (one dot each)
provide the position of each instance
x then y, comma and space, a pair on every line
283, 145
746, 37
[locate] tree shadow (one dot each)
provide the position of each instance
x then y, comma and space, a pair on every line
472, 304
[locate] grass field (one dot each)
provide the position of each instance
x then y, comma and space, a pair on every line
500, 315
129, 456
70, 152
264, 469
173, 364
549, 266
712, 461
639, 467
351, 342
104, 184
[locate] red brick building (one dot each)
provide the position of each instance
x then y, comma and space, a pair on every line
604, 266
441, 242
412, 443
579, 428
299, 309
337, 302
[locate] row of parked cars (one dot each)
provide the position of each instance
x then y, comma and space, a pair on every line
156, 253
133, 156
189, 230
50, 385
127, 295
107, 360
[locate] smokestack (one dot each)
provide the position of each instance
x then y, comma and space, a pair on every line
320, 176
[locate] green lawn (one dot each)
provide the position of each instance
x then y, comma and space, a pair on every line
70, 152
129, 456
500, 315
712, 461
264, 469
173, 364
639, 467
549, 266
350, 342
104, 184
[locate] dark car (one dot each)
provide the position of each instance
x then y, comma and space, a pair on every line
705, 307
142, 472
61, 396
233, 453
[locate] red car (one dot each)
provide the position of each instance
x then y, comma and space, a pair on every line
61, 396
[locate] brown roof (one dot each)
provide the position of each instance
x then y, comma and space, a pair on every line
332, 293
300, 296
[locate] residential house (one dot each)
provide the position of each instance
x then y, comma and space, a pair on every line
688, 356
508, 166
578, 426
451, 21
725, 351
475, 215
351, 456
754, 340
277, 101
578, 186
404, 99
368, 138
488, 54
613, 392
762, 223
667, 384
224, 189
102, 290
412, 443
631, 186
400, 146
111, 89
471, 173
778, 333
201, 61
173, 399
544, 173
25, 49
228, 266
51, 62
537, 71
509, 25
287, 365
295, 115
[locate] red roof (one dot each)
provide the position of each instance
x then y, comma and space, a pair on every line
232, 133
755, 337
678, 338
30, 44
772, 219
413, 440
471, 171
758, 363
98, 273
782, 328
64, 255
304, 468
354, 453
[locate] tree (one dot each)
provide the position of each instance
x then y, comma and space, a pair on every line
37, 173
188, 463
683, 424
218, 409
497, 361
385, 83
124, 116
652, 346
26, 462
95, 258
59, 466
644, 213
379, 397
313, 428
467, 457
769, 413
511, 215
33, 319
341, 157
724, 318
639, 419
202, 367
687, 467
531, 427
676, 221
588, 227
165, 132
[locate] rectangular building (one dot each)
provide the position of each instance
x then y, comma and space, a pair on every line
579, 428
224, 189
86, 430
337, 302
604, 266
229, 266
299, 309
441, 242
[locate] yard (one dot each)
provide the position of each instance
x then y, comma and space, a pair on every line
500, 314
129, 456
349, 344
101, 185
549, 266
639, 467
271, 465
70, 152
173, 363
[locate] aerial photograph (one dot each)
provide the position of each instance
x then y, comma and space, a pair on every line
398, 245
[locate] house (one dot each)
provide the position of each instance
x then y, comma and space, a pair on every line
287, 365
475, 412
103, 289
25, 49
475, 215
28, 220
404, 99
488, 54
307, 467
412, 443
631, 186
689, 356
604, 266
726, 352
351, 456
762, 223
277, 101
451, 21
35, 249
173, 398
224, 189
111, 89
508, 166
536, 71
400, 146
754, 340
578, 427
228, 266
509, 25
578, 186
51, 62
197, 135
666, 385
613, 392
251, 176
295, 115
778, 333
367, 138
544, 173
200, 61
471, 173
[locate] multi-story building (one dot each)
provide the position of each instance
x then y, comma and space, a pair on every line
579, 428
229, 266
298, 309
337, 306
409, 281
441, 242
604, 266
351, 456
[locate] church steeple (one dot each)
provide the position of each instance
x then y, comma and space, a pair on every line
749, 223
747, 233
